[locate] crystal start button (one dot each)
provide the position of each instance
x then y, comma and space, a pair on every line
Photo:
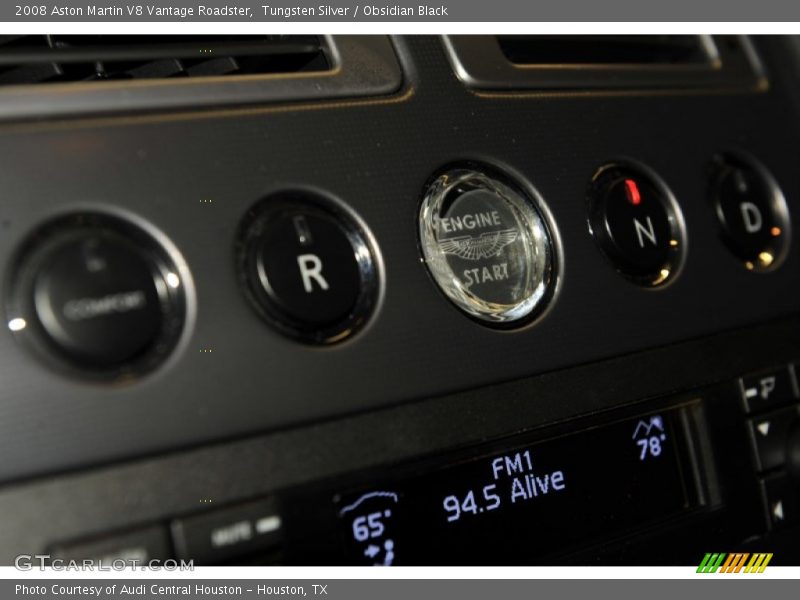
487, 246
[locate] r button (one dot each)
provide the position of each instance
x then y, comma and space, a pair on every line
308, 267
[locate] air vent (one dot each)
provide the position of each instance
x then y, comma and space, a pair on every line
605, 49
61, 58
611, 61
47, 75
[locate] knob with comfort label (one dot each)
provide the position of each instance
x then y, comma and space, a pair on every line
96, 298
636, 223
751, 211
97, 295
307, 266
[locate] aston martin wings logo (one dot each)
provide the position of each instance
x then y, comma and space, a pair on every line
483, 246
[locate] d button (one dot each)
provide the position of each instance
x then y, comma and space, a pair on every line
307, 267
751, 212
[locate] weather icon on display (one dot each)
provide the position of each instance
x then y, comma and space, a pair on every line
370, 522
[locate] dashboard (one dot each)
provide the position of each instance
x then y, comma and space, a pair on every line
412, 300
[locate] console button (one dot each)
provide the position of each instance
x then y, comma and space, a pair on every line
780, 501
134, 547
751, 211
487, 245
793, 453
770, 433
97, 294
308, 267
96, 298
215, 537
636, 223
767, 390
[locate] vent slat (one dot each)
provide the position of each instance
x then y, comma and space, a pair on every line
60, 58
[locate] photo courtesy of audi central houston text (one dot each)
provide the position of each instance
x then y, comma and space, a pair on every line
415, 300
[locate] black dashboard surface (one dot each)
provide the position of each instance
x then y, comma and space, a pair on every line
366, 154
317, 412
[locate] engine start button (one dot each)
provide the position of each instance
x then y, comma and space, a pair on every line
487, 246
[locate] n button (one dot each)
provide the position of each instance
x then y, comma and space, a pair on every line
308, 266
636, 224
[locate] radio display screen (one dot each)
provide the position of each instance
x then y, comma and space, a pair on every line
526, 502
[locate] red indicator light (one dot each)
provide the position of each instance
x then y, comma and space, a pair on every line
632, 192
